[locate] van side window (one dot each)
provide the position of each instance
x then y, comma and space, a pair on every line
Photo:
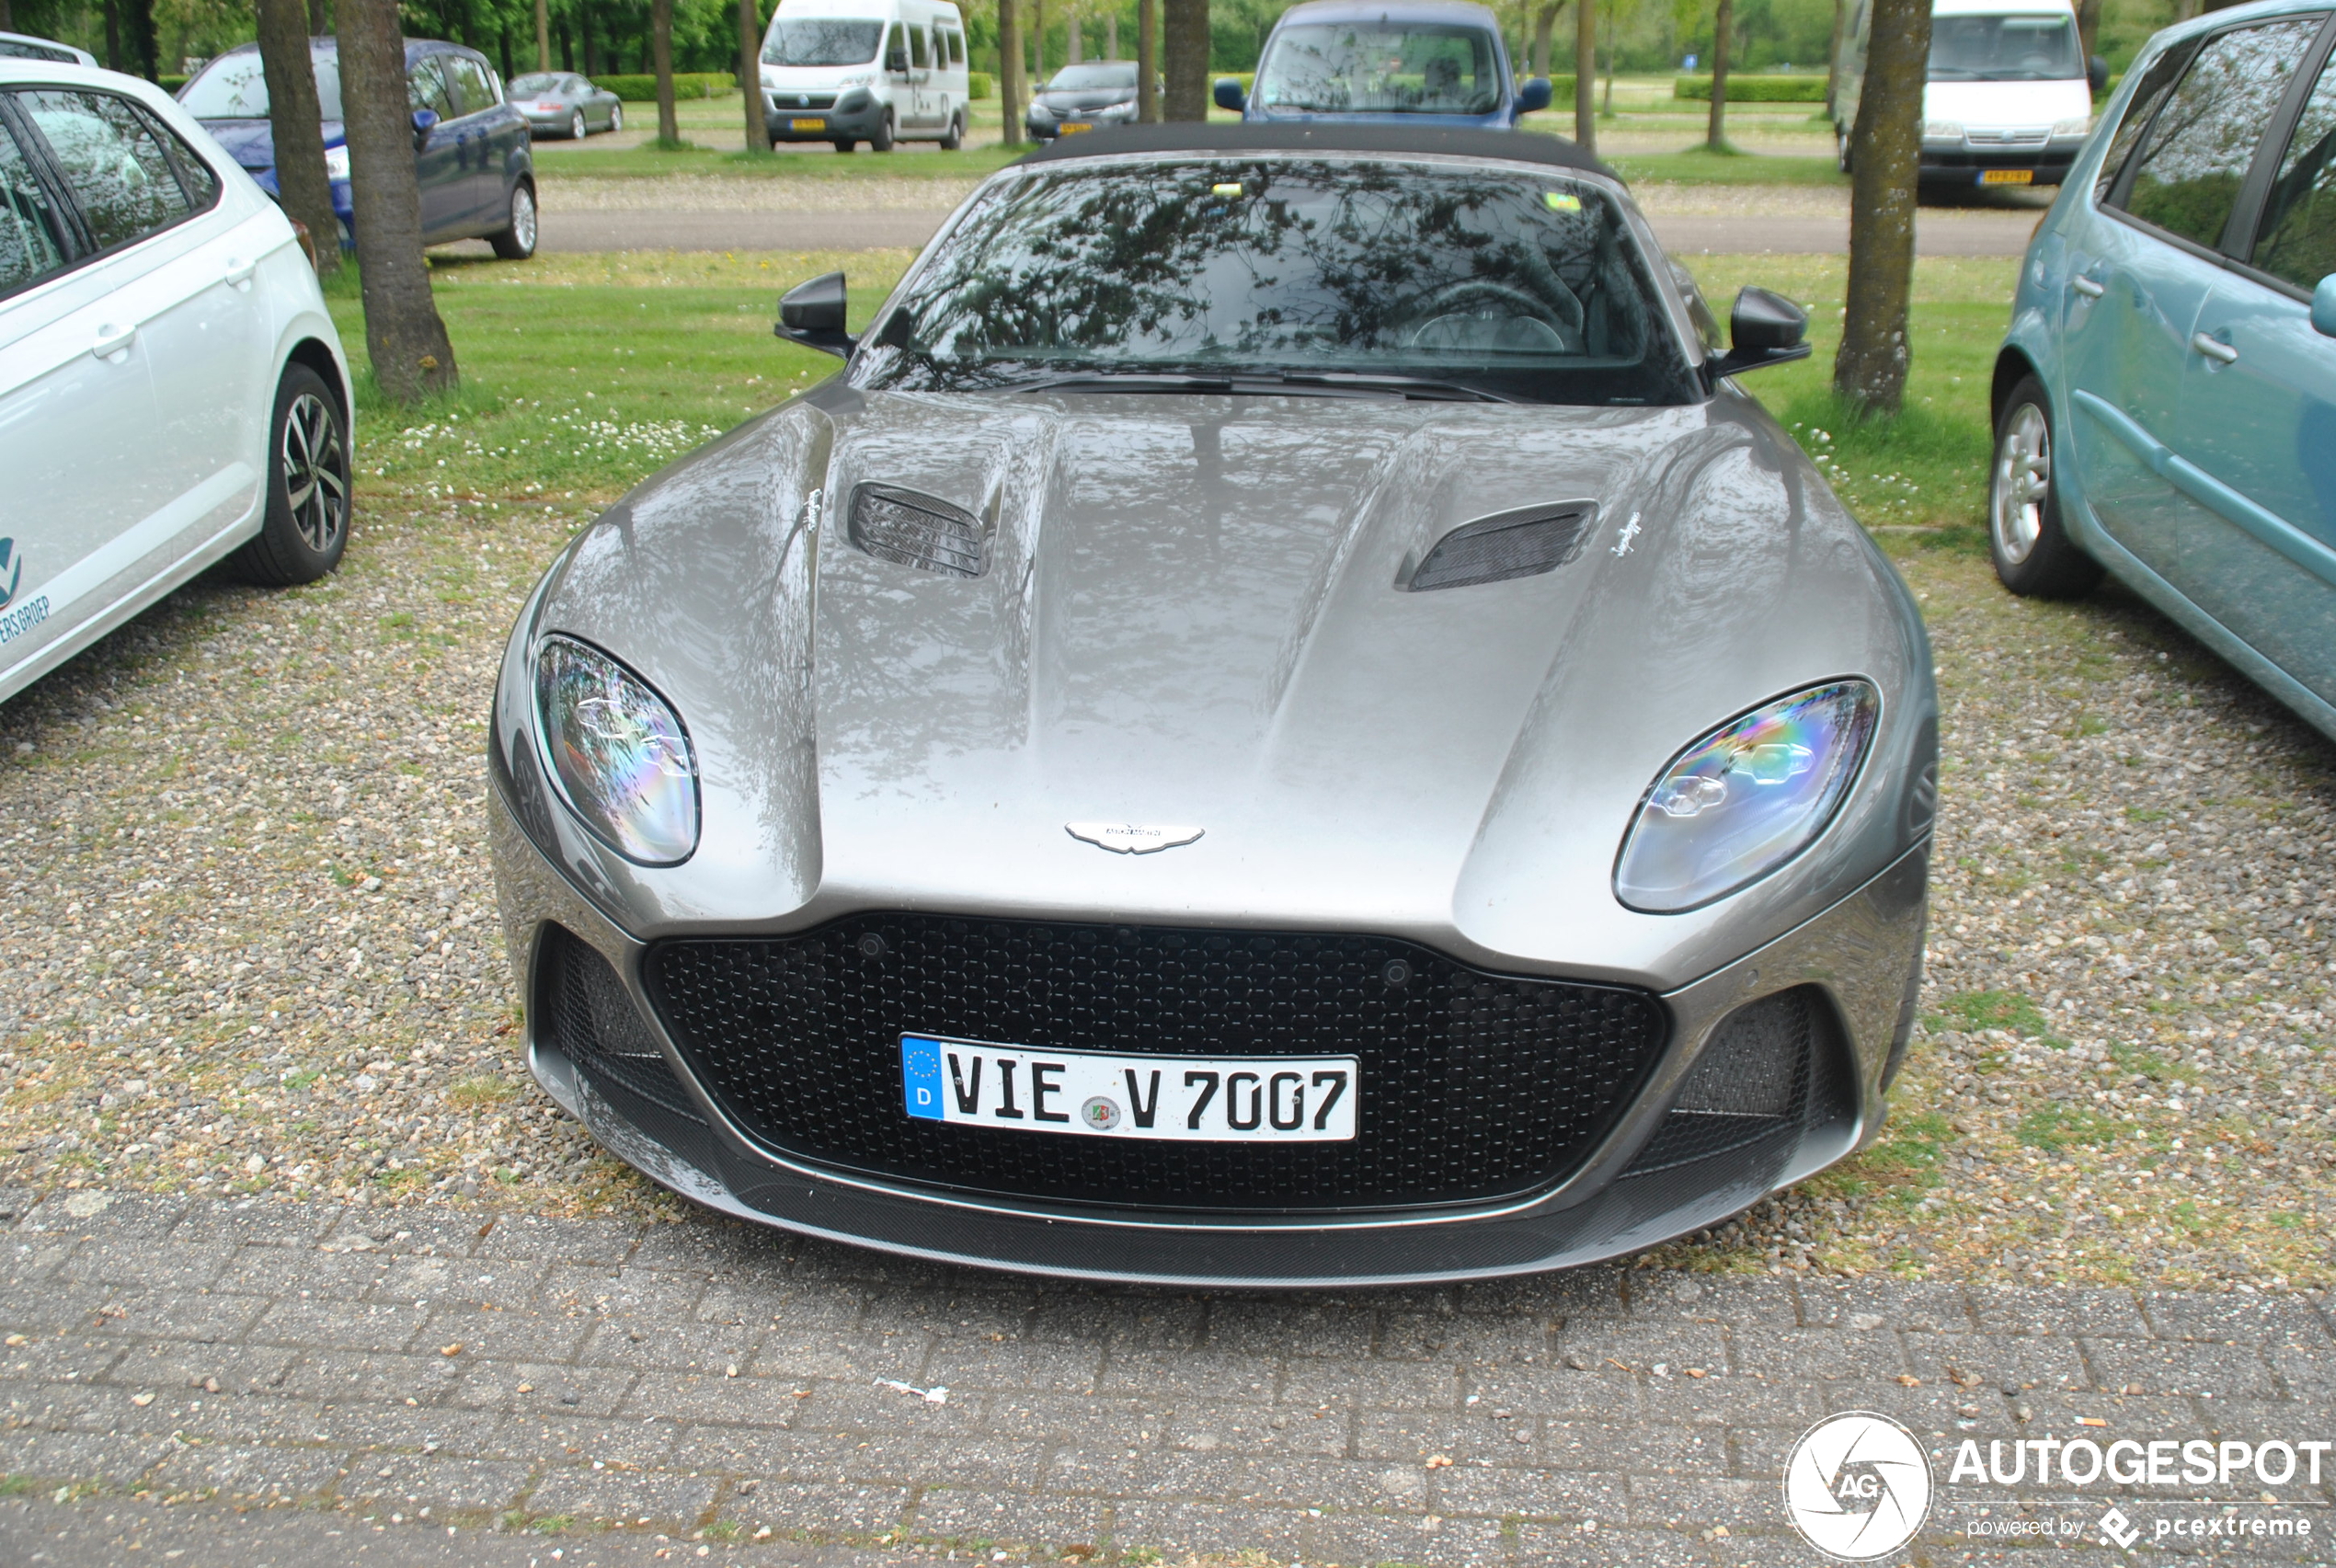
2149, 95
956, 48
916, 47
895, 49
2198, 151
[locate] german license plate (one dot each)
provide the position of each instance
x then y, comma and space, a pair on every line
1072, 127
1118, 1094
806, 124
2007, 176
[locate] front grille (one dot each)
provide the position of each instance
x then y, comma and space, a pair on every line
803, 100
582, 1012
1473, 1086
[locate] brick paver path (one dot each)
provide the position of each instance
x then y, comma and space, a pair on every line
419, 1369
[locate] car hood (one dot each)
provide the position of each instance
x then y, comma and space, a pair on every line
252, 142
1992, 105
1191, 617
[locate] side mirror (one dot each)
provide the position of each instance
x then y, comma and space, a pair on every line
812, 315
2096, 73
1764, 329
1230, 95
2324, 307
896, 61
1534, 95
425, 121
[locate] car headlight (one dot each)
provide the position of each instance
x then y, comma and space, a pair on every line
2082, 125
1942, 131
336, 161
1040, 111
623, 758
1746, 798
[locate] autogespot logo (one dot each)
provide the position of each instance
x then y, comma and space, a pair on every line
1858, 1486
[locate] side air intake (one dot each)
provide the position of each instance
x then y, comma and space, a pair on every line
584, 1013
911, 529
1770, 1070
1520, 543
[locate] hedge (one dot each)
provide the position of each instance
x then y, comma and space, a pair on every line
686, 85
980, 84
1752, 88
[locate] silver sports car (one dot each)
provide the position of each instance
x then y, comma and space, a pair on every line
1281, 721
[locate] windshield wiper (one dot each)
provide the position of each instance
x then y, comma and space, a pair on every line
1327, 383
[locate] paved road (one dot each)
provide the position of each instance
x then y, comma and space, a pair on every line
1938, 233
239, 1382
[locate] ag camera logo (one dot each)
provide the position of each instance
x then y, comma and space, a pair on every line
1857, 1486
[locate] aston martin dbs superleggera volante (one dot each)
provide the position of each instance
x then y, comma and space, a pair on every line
1282, 720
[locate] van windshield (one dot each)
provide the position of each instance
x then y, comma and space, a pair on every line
1380, 68
822, 41
2004, 48
233, 88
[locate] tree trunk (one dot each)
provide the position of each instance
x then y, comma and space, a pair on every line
1545, 24
1870, 371
1716, 136
758, 129
1607, 110
7, 19
113, 35
1111, 36
1147, 61
1833, 60
668, 124
1037, 44
543, 35
145, 45
591, 44
407, 341
1075, 42
320, 20
567, 45
1187, 51
2088, 27
503, 49
1011, 101
1585, 75
297, 124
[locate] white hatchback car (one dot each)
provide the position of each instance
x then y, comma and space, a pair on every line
172, 391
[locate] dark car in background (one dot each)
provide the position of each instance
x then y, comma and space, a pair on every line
1082, 96
561, 103
470, 146
1423, 63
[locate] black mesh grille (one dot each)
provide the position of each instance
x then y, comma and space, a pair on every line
583, 1012
1473, 1086
1513, 545
1757, 1079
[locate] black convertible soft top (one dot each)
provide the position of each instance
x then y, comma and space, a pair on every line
1321, 136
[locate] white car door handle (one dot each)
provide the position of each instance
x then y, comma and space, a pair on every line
2087, 287
239, 273
2214, 348
112, 340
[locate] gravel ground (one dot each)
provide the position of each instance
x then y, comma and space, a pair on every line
254, 949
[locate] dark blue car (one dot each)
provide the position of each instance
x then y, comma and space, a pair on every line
470, 145
1427, 62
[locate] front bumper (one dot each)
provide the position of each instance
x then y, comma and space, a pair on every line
1863, 956
855, 117
2043, 163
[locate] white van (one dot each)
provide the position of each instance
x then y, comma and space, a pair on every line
2009, 95
873, 71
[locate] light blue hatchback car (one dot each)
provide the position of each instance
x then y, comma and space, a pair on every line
2165, 402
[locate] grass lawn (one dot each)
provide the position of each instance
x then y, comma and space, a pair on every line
584, 373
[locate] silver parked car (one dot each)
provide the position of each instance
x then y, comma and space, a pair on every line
560, 103
1282, 721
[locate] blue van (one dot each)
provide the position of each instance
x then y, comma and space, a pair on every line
1426, 63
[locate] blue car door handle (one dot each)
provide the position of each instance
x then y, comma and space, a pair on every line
2214, 348
2087, 287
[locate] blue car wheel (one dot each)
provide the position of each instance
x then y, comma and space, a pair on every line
2033, 552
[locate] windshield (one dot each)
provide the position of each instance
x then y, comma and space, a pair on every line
1089, 78
1507, 283
232, 87
2004, 48
823, 42
1388, 68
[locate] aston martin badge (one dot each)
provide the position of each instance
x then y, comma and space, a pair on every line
1131, 838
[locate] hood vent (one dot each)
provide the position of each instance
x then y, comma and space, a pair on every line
911, 529
1519, 544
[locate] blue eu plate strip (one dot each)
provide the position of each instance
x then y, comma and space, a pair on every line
920, 1075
